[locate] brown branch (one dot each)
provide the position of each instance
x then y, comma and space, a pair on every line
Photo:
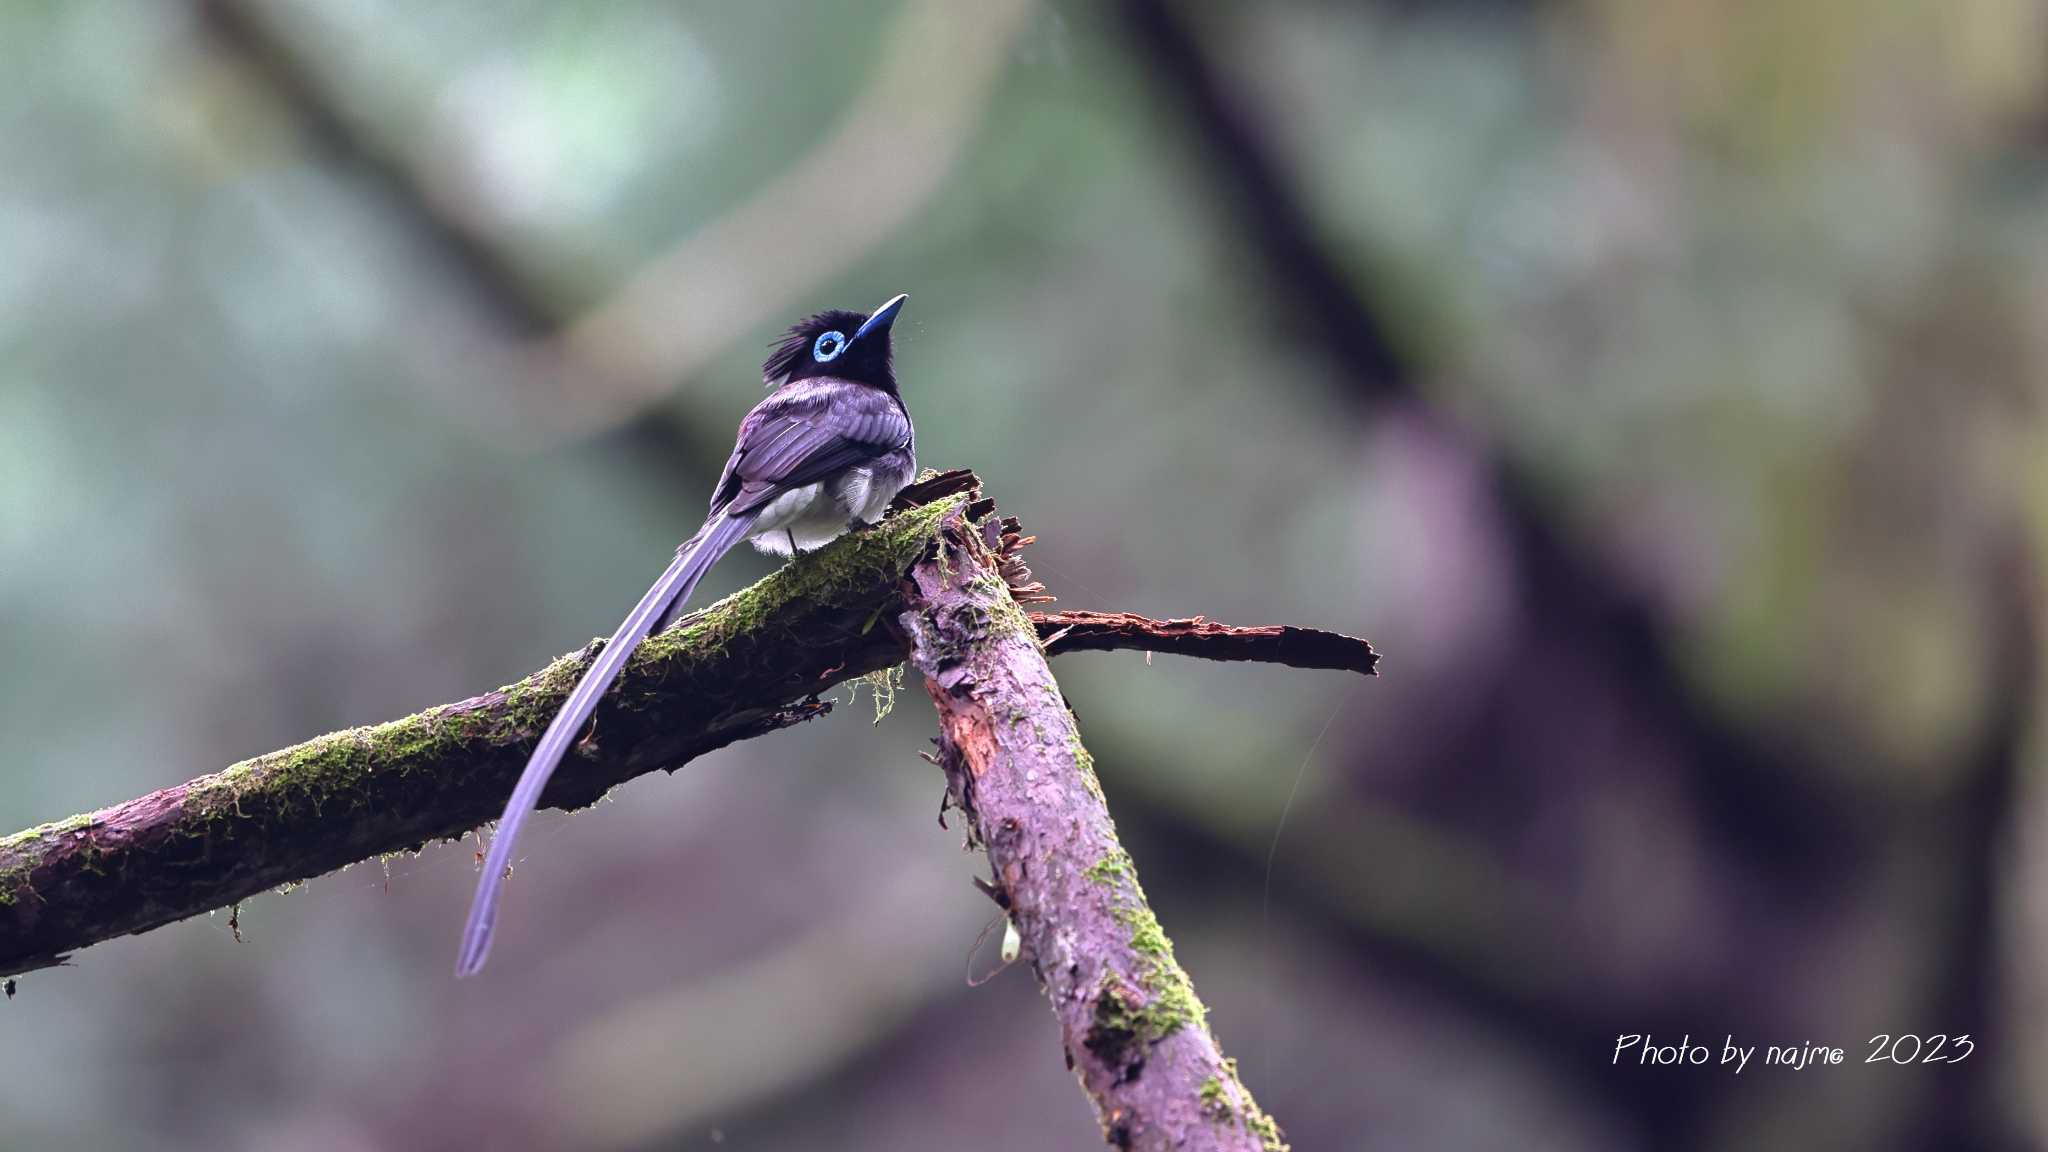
1198, 636
750, 664
1135, 1032
1080, 631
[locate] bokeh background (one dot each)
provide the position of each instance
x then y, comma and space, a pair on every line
1658, 385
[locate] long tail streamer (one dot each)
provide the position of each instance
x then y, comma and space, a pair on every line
692, 561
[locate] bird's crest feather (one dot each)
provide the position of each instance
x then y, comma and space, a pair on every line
788, 355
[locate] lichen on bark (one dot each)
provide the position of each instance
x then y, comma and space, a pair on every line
1135, 1032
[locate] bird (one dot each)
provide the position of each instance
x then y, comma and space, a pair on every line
823, 453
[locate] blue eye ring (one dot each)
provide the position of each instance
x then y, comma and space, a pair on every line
828, 347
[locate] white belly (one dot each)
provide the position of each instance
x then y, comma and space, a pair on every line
811, 516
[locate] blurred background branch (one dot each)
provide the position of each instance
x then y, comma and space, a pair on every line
573, 376
1771, 798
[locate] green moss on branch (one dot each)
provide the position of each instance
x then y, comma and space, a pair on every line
1135, 1033
748, 664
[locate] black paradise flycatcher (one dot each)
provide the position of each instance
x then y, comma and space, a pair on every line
826, 451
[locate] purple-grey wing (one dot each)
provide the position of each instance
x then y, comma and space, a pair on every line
805, 433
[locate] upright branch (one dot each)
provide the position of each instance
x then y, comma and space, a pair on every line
1135, 1032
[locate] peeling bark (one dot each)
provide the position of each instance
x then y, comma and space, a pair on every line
1136, 1035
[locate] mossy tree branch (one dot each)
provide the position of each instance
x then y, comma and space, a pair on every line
1135, 1032
749, 664
944, 568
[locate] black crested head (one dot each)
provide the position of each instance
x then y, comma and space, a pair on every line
795, 356
841, 344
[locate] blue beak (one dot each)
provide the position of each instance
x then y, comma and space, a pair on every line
881, 319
